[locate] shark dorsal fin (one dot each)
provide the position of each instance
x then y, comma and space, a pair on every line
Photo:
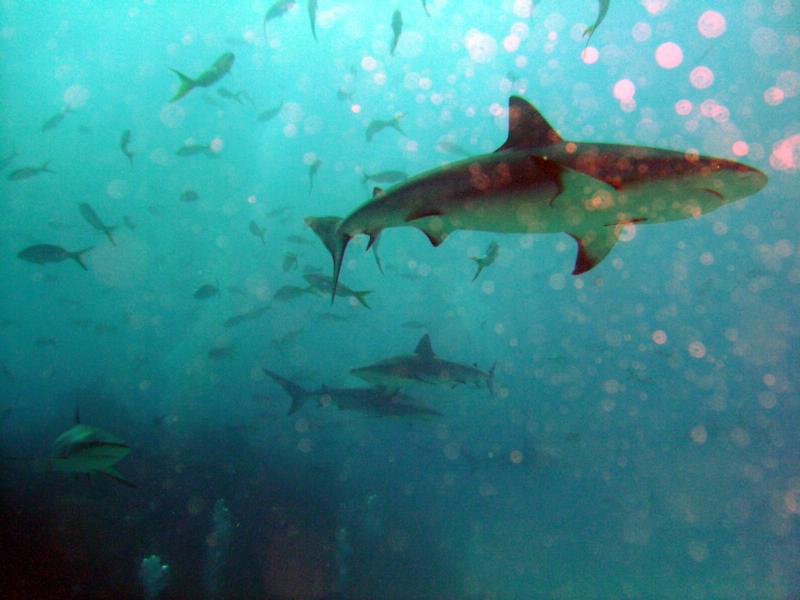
527, 128
424, 348
377, 191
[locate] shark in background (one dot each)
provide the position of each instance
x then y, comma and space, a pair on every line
537, 182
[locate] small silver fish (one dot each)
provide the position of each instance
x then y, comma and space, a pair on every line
259, 232
28, 172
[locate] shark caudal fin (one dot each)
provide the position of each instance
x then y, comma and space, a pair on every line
187, 84
78, 257
327, 230
297, 394
360, 297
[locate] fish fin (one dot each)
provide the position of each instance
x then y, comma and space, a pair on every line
527, 128
373, 242
108, 231
360, 297
593, 246
490, 379
376, 191
481, 266
187, 84
77, 257
45, 168
312, 16
326, 229
434, 237
297, 393
424, 349
116, 476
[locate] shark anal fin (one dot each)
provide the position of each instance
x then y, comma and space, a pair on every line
435, 238
593, 246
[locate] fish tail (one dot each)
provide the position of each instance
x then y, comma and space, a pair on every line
78, 257
297, 393
108, 231
360, 297
481, 266
187, 84
327, 229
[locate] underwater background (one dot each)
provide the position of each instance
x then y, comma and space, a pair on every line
640, 437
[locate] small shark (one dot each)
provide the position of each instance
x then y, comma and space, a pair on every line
422, 367
373, 401
536, 182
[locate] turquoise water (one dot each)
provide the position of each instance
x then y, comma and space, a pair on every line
640, 438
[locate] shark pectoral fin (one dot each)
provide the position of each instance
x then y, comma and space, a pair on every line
116, 476
593, 246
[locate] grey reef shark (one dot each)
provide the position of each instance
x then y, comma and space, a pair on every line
537, 182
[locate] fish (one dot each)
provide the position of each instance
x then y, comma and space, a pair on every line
220, 352
83, 449
485, 261
56, 119
290, 292
425, 6
312, 172
129, 222
124, 140
604, 4
289, 262
28, 172
209, 77
237, 96
7, 160
246, 316
280, 8
204, 292
194, 149
397, 29
377, 125
384, 177
423, 367
299, 239
46, 253
270, 113
188, 196
312, 17
91, 217
324, 284
257, 231
536, 182
370, 400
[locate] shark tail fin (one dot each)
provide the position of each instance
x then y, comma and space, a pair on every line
481, 266
593, 246
108, 231
78, 257
490, 379
297, 394
327, 229
360, 297
187, 84
116, 476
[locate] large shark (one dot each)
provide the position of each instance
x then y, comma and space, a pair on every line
536, 182
372, 401
422, 367
87, 450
